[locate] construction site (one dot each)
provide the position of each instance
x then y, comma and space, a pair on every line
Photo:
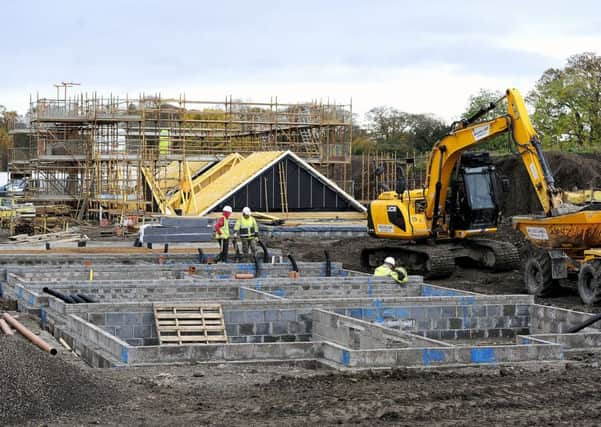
119, 305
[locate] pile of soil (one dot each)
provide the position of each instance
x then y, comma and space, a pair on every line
35, 385
570, 170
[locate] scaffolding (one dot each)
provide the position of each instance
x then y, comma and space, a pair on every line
92, 152
390, 172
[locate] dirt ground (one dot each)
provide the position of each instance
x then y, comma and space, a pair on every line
236, 395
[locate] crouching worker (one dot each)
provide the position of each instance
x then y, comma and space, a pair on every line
399, 274
247, 230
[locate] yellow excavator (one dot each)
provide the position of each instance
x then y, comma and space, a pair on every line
429, 230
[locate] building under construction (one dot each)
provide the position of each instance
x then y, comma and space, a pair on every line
93, 152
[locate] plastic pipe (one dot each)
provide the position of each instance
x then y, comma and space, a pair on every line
265, 251
86, 298
293, 262
59, 295
5, 328
77, 299
28, 334
328, 264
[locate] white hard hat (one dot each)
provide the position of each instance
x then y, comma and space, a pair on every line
227, 208
246, 211
390, 260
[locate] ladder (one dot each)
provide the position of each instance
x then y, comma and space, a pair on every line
308, 134
189, 324
283, 187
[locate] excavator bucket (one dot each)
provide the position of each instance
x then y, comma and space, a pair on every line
582, 196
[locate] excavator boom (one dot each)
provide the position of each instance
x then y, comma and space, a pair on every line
460, 198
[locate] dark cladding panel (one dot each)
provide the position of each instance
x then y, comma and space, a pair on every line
305, 192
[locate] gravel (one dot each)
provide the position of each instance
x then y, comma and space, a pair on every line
35, 385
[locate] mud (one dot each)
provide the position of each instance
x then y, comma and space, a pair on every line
297, 396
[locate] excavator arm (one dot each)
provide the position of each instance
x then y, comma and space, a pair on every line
466, 134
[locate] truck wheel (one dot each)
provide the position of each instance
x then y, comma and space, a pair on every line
589, 283
537, 275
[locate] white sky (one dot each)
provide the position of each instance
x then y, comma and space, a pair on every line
423, 57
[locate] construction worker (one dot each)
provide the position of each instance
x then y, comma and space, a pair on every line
247, 230
399, 274
222, 233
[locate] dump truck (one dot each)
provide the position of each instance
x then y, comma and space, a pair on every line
564, 245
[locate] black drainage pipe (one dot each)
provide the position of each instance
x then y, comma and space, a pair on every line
328, 264
59, 295
584, 324
293, 262
265, 251
86, 298
77, 299
201, 257
257, 267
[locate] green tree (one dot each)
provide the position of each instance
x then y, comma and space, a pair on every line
483, 98
362, 141
399, 131
424, 131
567, 103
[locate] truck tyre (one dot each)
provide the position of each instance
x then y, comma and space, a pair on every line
589, 283
537, 275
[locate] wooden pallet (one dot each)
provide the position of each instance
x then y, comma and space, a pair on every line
190, 324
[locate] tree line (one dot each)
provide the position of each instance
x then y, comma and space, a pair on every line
565, 108
565, 104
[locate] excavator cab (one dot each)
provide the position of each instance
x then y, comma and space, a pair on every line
474, 202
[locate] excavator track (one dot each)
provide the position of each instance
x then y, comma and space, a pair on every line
438, 260
505, 255
430, 261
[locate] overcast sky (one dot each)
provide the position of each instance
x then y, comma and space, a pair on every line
418, 56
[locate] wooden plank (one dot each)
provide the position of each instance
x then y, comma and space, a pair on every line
187, 307
195, 338
186, 324
194, 328
186, 316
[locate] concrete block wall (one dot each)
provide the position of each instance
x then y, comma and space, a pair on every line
346, 287
579, 340
181, 291
285, 351
438, 356
90, 333
137, 328
268, 325
306, 269
66, 275
358, 334
456, 319
546, 320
